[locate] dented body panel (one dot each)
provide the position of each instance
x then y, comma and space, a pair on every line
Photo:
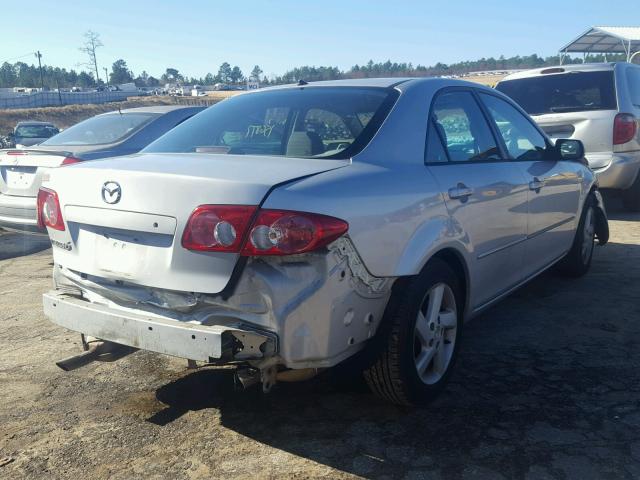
310, 310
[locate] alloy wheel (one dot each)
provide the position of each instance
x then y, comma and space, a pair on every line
435, 333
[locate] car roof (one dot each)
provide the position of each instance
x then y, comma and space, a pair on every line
581, 67
159, 109
401, 82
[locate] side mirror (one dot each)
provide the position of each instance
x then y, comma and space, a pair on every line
572, 150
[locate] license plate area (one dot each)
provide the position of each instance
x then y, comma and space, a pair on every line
19, 177
120, 255
559, 131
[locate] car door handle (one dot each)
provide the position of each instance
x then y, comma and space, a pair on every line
460, 192
536, 184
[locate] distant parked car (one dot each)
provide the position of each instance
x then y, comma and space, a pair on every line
597, 103
106, 135
27, 134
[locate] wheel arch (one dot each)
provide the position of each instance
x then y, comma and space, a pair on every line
456, 261
602, 223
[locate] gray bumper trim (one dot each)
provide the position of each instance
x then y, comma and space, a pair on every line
167, 336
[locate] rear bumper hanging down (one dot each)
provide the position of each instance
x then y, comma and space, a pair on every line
205, 343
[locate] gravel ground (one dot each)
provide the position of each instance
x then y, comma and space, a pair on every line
547, 386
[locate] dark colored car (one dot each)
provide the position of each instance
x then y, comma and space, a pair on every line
27, 134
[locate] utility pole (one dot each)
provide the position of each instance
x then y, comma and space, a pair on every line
39, 56
106, 75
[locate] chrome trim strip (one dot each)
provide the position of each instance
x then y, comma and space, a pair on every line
551, 227
502, 247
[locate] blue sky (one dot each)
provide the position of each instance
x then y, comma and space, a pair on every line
197, 36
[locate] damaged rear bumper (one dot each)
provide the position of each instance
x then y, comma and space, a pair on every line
305, 311
205, 343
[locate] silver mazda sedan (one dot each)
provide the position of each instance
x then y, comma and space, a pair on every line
292, 229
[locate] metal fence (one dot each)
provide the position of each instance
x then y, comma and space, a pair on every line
195, 101
52, 99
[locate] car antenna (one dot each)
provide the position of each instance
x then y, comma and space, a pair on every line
301, 82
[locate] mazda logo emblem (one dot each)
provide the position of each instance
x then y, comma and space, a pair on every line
111, 192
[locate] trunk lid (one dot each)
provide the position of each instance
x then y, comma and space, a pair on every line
593, 128
138, 237
22, 171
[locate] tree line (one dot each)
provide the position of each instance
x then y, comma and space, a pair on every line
21, 74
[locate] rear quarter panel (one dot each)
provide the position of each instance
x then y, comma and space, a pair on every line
396, 217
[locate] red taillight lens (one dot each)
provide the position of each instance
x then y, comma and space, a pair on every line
217, 228
70, 161
228, 228
284, 232
624, 128
49, 211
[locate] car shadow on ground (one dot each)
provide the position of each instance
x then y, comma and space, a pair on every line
547, 381
616, 210
13, 244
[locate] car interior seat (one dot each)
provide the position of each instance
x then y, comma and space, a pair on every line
304, 144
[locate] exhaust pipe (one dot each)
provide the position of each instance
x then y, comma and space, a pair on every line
97, 351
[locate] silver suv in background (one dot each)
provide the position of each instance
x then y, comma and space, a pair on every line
596, 103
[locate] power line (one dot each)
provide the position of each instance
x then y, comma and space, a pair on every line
18, 58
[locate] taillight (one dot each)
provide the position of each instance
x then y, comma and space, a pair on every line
226, 228
70, 161
49, 211
284, 232
624, 128
217, 228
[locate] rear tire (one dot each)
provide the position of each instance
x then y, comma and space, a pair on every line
578, 261
423, 326
631, 196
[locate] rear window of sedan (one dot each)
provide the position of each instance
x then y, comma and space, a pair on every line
102, 129
566, 92
316, 122
35, 131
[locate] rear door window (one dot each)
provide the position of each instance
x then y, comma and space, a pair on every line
522, 139
463, 128
566, 92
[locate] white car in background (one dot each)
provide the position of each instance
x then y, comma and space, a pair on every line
111, 134
598, 104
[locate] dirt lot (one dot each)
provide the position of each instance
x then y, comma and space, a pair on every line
547, 386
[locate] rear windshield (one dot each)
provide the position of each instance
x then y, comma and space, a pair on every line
567, 92
35, 131
101, 129
319, 122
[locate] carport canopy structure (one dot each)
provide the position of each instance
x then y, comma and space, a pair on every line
605, 40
